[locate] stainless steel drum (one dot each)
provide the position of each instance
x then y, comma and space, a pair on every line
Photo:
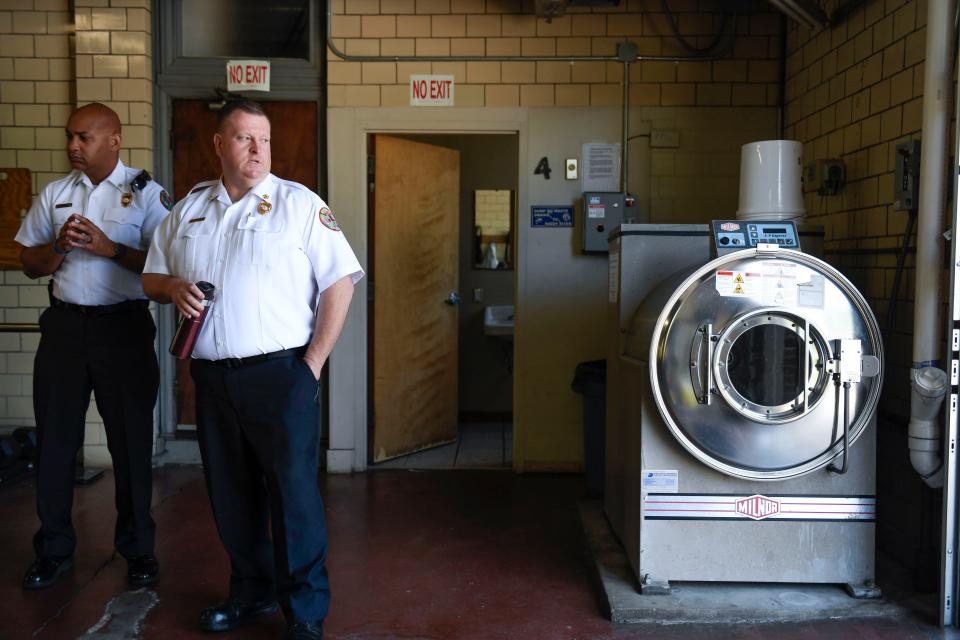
744, 355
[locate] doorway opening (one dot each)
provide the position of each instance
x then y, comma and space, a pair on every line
442, 253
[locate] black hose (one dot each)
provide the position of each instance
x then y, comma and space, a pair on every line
842, 469
897, 276
710, 49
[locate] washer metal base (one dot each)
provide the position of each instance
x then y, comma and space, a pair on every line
732, 603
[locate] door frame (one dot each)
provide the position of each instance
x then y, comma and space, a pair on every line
347, 133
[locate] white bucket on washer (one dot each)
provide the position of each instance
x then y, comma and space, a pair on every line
771, 180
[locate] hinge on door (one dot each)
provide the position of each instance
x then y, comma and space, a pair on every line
370, 172
170, 138
369, 291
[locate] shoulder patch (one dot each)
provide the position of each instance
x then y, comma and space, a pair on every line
327, 219
166, 200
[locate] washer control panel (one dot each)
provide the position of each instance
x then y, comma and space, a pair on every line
735, 235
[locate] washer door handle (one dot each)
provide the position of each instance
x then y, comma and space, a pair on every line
701, 369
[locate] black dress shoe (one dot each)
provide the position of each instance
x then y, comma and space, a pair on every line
305, 631
230, 614
143, 571
45, 571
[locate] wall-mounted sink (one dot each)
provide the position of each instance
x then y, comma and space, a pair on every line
498, 320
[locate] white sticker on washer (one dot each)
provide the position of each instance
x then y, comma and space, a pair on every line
659, 480
779, 287
810, 294
738, 284
613, 272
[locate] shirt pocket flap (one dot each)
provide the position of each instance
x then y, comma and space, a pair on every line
196, 227
126, 215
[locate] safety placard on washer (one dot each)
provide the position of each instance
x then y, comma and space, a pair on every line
810, 293
613, 271
659, 480
779, 286
738, 284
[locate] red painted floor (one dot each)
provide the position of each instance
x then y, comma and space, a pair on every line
471, 555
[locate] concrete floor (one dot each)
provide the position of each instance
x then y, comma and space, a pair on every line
413, 555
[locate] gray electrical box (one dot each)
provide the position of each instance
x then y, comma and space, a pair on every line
602, 212
906, 185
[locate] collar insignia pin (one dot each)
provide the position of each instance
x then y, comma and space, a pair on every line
126, 199
264, 207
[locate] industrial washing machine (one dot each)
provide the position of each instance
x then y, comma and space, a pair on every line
742, 385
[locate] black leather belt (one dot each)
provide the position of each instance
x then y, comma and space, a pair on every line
102, 309
235, 363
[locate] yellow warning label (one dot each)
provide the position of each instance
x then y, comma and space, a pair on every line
739, 278
738, 289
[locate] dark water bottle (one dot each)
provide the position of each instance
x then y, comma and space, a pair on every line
189, 328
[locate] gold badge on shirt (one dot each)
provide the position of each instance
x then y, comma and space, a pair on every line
264, 207
126, 199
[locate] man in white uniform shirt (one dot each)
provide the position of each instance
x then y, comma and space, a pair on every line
284, 277
91, 231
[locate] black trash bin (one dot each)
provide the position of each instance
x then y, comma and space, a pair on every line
590, 380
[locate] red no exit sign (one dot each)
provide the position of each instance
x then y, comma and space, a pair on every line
431, 91
248, 75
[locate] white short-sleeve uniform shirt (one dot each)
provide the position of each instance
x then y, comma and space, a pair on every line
270, 255
126, 215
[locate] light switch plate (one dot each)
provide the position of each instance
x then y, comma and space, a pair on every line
570, 164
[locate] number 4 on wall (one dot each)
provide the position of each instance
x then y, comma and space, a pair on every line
543, 167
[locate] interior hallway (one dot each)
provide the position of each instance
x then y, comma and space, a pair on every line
413, 555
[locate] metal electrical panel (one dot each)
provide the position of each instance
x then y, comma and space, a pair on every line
602, 212
906, 185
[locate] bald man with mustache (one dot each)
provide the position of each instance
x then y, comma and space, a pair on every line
90, 232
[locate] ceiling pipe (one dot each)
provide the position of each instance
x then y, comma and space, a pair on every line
805, 12
626, 54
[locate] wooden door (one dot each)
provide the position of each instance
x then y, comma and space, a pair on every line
414, 227
293, 146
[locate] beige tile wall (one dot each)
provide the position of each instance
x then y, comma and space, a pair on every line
113, 66
853, 92
501, 27
55, 55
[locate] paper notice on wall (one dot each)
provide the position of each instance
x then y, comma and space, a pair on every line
601, 167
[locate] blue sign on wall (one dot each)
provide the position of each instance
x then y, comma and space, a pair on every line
543, 216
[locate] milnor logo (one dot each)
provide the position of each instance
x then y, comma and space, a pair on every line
730, 226
758, 507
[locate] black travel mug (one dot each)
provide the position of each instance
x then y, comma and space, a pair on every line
189, 328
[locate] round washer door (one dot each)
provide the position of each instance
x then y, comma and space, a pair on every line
742, 363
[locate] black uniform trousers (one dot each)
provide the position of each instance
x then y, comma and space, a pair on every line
258, 427
112, 355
